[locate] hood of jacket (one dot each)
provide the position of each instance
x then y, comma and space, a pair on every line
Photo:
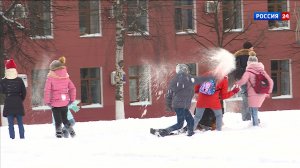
59, 74
11, 73
255, 67
242, 52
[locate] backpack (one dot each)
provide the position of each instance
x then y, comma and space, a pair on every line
261, 85
208, 87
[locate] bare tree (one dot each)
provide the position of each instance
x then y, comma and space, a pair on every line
20, 24
222, 18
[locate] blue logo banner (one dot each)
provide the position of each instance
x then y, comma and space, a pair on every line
267, 15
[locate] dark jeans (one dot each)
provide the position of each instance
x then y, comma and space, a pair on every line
11, 128
60, 116
182, 114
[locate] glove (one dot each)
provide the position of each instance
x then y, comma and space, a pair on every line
235, 90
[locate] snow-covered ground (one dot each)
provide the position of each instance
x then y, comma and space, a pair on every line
128, 143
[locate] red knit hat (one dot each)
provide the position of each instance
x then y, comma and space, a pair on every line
10, 64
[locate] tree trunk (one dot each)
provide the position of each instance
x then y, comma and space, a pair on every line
120, 114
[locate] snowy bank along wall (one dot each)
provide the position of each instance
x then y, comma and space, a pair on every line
161, 50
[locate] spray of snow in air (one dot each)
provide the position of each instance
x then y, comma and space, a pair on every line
156, 77
216, 60
220, 61
40, 77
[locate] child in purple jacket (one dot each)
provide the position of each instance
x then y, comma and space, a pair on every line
59, 92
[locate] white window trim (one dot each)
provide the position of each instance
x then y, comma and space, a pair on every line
289, 21
283, 97
51, 23
242, 20
138, 34
281, 28
41, 37
91, 35
96, 105
291, 81
190, 31
101, 104
100, 27
147, 25
142, 103
149, 102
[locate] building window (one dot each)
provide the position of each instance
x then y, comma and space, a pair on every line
89, 18
139, 84
38, 84
278, 6
280, 73
91, 82
232, 15
184, 16
40, 18
192, 68
137, 17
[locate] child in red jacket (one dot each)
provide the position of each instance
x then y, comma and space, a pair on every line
213, 101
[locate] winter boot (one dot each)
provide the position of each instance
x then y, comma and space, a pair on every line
65, 132
58, 132
71, 131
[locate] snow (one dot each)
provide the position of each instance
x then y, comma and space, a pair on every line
128, 143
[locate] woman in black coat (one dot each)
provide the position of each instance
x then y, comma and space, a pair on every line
15, 92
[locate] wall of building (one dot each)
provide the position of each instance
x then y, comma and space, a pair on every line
165, 47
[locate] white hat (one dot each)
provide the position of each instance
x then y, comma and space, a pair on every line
182, 68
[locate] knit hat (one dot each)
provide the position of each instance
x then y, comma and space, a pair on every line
182, 68
252, 58
58, 64
10, 64
247, 45
10, 69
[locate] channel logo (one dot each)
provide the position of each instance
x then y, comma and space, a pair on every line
271, 16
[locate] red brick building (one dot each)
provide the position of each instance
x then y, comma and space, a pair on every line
159, 34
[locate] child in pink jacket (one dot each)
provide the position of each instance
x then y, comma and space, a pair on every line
255, 100
59, 92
